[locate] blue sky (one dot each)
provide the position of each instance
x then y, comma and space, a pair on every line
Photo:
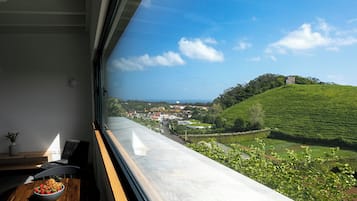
189, 50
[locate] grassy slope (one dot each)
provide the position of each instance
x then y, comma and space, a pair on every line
327, 111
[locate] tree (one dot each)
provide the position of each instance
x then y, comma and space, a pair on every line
114, 107
216, 108
306, 80
219, 122
256, 116
209, 118
239, 125
256, 86
241, 92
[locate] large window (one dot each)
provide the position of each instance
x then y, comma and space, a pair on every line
232, 71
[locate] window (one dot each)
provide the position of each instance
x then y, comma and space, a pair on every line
190, 70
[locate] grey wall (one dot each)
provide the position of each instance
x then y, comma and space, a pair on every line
35, 98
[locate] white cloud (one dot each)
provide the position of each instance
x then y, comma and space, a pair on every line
323, 26
242, 45
306, 38
301, 39
127, 64
198, 49
146, 3
139, 63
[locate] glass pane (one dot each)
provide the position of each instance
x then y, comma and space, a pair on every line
233, 71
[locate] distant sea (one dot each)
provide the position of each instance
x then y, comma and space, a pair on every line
172, 101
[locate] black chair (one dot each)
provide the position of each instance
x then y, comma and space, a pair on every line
75, 152
62, 171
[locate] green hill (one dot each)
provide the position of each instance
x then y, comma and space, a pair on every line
312, 111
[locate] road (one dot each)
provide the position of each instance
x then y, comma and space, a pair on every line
166, 132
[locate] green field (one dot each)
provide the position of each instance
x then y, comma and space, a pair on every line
198, 123
312, 111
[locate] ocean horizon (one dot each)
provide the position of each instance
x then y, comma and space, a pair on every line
173, 101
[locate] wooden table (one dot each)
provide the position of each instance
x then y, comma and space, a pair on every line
71, 192
22, 161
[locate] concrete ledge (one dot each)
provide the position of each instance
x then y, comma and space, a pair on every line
176, 172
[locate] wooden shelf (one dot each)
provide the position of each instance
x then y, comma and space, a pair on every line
22, 161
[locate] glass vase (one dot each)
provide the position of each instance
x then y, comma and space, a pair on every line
13, 149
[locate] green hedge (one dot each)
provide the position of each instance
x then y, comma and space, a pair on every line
231, 139
332, 142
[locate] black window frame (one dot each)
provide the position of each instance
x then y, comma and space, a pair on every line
131, 186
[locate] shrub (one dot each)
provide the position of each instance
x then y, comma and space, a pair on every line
300, 178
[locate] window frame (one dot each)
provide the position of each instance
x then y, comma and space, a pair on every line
113, 27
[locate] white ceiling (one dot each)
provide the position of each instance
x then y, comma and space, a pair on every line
18, 16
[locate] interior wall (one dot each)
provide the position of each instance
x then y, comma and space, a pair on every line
36, 98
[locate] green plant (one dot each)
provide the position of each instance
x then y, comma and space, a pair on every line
12, 136
299, 176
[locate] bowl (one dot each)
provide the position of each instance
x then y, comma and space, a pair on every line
49, 197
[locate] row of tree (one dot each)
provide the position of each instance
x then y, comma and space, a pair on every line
259, 85
212, 116
118, 107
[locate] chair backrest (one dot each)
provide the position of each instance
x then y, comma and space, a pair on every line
69, 148
80, 156
62, 171
76, 152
